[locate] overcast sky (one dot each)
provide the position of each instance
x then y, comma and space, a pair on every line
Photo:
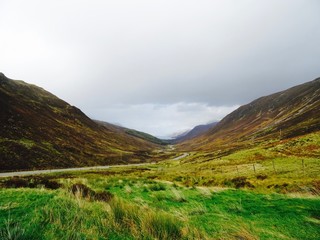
160, 66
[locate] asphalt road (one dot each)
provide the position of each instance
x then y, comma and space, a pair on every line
182, 156
25, 173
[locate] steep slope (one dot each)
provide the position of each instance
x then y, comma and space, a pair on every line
196, 131
39, 130
290, 113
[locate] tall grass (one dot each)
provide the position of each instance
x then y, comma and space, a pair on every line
122, 206
77, 216
12, 230
161, 225
142, 221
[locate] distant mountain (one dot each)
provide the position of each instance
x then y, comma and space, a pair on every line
286, 114
39, 130
196, 131
135, 133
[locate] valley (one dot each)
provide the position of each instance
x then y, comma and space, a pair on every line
253, 175
168, 200
160, 120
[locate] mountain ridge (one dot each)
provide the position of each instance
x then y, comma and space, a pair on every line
194, 132
285, 114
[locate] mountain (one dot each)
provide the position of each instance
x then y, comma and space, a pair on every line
135, 133
196, 131
286, 114
39, 130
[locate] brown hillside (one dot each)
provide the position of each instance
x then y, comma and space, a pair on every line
293, 112
39, 130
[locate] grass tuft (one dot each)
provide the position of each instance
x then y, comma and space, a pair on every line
162, 226
12, 230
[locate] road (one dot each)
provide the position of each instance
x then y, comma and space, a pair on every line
182, 156
25, 173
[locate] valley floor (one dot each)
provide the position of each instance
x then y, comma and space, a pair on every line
129, 204
268, 191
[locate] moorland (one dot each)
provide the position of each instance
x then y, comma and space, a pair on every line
253, 175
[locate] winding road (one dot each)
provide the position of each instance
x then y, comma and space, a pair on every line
34, 172
182, 156
25, 173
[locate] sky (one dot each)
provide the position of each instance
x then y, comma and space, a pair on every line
160, 66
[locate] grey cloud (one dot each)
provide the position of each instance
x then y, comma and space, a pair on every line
162, 120
97, 54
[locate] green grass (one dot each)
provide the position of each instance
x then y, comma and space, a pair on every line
283, 166
143, 208
269, 191
40, 214
260, 215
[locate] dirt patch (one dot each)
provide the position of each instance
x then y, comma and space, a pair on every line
241, 182
84, 191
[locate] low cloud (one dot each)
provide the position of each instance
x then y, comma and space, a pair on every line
162, 120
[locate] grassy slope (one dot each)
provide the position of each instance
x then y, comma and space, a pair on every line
39, 130
279, 165
290, 113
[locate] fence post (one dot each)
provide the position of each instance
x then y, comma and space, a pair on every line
254, 168
303, 167
274, 168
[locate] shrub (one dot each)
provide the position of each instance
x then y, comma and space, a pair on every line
15, 182
241, 182
86, 192
103, 196
82, 190
50, 184
261, 176
33, 182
